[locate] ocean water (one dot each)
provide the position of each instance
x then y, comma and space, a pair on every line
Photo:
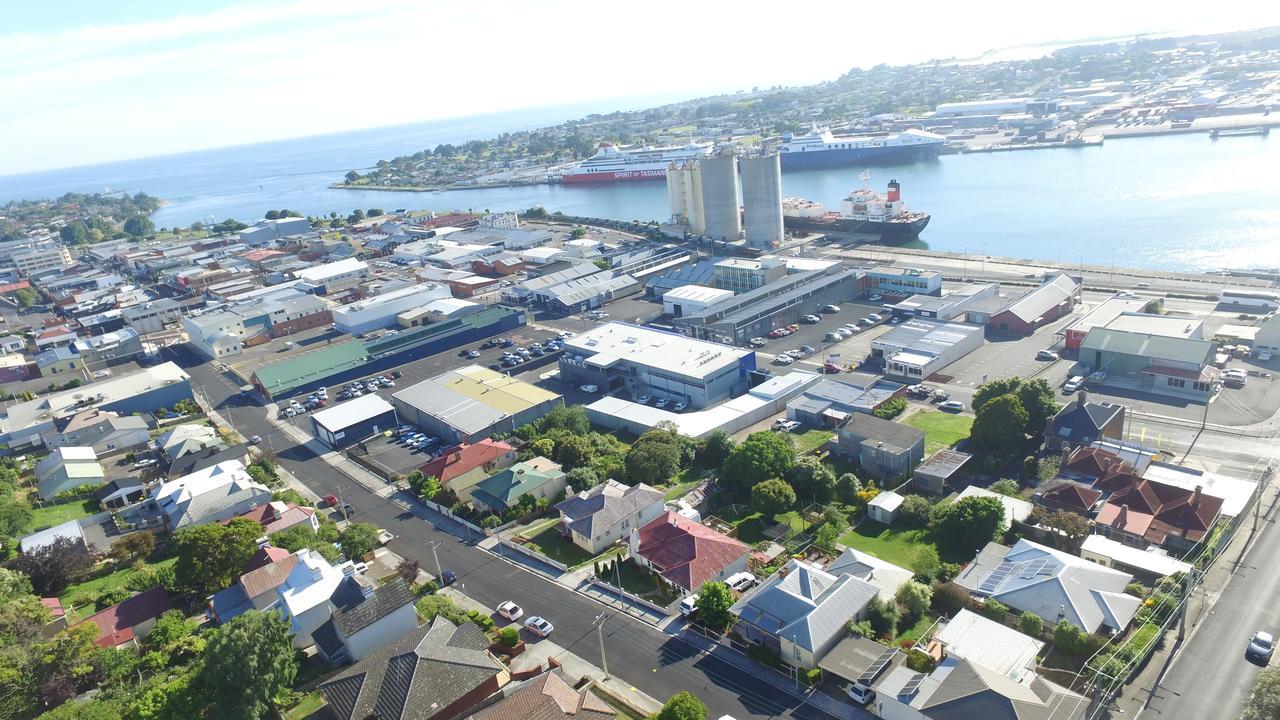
1180, 202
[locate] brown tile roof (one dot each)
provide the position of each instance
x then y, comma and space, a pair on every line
268, 577
1093, 462
265, 556
685, 552
548, 697
116, 623
1174, 511
1073, 495
464, 458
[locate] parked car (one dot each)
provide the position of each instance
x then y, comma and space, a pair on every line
807, 349
473, 354
1073, 384
811, 319
786, 425
783, 360
1046, 355
833, 336
539, 626
510, 611
741, 581
384, 537
796, 353
939, 396
860, 694
688, 605
448, 577
661, 403
679, 407
330, 500
758, 342
874, 318
395, 374
643, 399
1260, 648
255, 439
831, 368
865, 321
142, 464
589, 388
952, 406
831, 309
102, 373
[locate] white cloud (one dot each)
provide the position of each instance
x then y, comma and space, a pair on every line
263, 71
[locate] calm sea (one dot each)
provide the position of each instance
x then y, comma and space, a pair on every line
1182, 202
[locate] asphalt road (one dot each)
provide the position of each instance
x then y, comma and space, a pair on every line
1210, 677
652, 661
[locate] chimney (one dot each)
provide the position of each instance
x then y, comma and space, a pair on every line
1083, 397
1122, 518
1195, 499
367, 586
348, 569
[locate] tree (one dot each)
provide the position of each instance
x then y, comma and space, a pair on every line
135, 546
949, 598
13, 584
1005, 487
359, 539
139, 225
545, 447
247, 663
1000, 425
915, 598
826, 537
883, 616
1070, 529
432, 606
926, 564
26, 297
1031, 624
812, 479
684, 705
211, 556
915, 510
847, 487
352, 176
1264, 701
891, 408
653, 458
407, 570
1031, 467
1040, 402
272, 215
374, 212
772, 497
716, 449
763, 455
970, 522
574, 451
1070, 638
572, 418
714, 601
993, 609
14, 518
991, 390
581, 478
53, 567
578, 232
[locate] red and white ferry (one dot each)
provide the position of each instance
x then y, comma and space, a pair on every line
612, 163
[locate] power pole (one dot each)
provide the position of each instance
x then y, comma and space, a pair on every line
601, 619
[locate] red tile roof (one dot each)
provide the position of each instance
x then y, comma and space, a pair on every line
548, 697
266, 556
1173, 511
464, 458
685, 552
271, 522
116, 623
1074, 495
1093, 462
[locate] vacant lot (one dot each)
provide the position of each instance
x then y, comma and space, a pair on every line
940, 429
811, 440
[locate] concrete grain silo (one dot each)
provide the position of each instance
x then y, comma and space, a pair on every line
684, 192
762, 200
720, 210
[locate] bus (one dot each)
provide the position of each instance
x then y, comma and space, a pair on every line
1251, 299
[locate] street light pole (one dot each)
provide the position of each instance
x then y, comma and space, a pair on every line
600, 620
434, 554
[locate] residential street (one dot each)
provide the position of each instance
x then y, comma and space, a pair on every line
652, 661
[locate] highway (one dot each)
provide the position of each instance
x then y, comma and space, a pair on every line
652, 661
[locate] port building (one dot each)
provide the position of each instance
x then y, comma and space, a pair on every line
735, 320
684, 193
918, 348
1148, 353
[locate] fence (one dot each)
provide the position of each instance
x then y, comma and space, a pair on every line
611, 589
533, 554
454, 516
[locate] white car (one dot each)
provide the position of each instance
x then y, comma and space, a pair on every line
783, 360
510, 611
661, 403
758, 342
102, 373
688, 605
1046, 355
679, 407
741, 581
643, 399
539, 626
952, 406
589, 388
384, 537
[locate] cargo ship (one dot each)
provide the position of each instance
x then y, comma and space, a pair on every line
822, 149
864, 211
612, 163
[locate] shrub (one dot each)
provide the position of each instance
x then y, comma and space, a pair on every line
861, 629
509, 636
948, 571
811, 676
891, 408
914, 510
949, 598
1031, 624
920, 662
491, 522
994, 609
883, 616
1070, 638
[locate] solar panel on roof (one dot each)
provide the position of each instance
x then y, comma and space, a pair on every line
866, 678
996, 577
909, 690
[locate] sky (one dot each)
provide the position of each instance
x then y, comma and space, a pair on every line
86, 81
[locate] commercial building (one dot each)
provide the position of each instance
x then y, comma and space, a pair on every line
253, 319
588, 292
784, 301
995, 106
650, 362
1055, 298
147, 390
762, 201
830, 401
722, 218
471, 403
152, 316
919, 348
264, 232
691, 299
1149, 362
32, 257
744, 274
334, 276
380, 311
535, 289
352, 421
1103, 313
902, 282
437, 311
113, 348
973, 303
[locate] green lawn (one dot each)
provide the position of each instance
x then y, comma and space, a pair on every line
51, 515
914, 632
311, 703
681, 484
811, 439
81, 596
551, 543
751, 528
940, 429
890, 544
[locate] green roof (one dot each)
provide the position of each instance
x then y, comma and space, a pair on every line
507, 486
406, 339
1152, 347
310, 366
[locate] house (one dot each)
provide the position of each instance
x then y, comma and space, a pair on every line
103, 430
1081, 422
303, 597
67, 468
801, 612
201, 459
255, 589
884, 449
1070, 496
209, 495
829, 402
1150, 512
1031, 577
686, 553
127, 622
1015, 510
277, 516
1053, 299
537, 477
461, 467
70, 530
182, 439
438, 671
940, 471
886, 576
1147, 565
884, 507
986, 670
597, 518
1090, 464
59, 361
548, 697
364, 617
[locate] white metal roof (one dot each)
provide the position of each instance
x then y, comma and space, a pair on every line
656, 349
344, 415
697, 293
1154, 562
989, 643
320, 273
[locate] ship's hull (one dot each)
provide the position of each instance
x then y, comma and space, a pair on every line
828, 158
612, 176
889, 230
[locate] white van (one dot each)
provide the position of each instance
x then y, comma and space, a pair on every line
688, 605
1073, 384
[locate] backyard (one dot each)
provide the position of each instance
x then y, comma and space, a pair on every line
78, 599
51, 515
752, 525
898, 545
941, 429
639, 581
546, 539
810, 440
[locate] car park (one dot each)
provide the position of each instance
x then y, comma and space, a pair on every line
1046, 355
952, 406
539, 626
510, 611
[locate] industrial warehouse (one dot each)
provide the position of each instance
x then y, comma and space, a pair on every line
353, 421
472, 403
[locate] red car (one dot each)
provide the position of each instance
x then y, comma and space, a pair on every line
831, 368
330, 500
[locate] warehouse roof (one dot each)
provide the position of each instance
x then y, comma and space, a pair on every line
697, 293
614, 341
351, 412
1105, 312
1166, 325
472, 398
24, 415
320, 273
310, 366
1153, 347
1051, 293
